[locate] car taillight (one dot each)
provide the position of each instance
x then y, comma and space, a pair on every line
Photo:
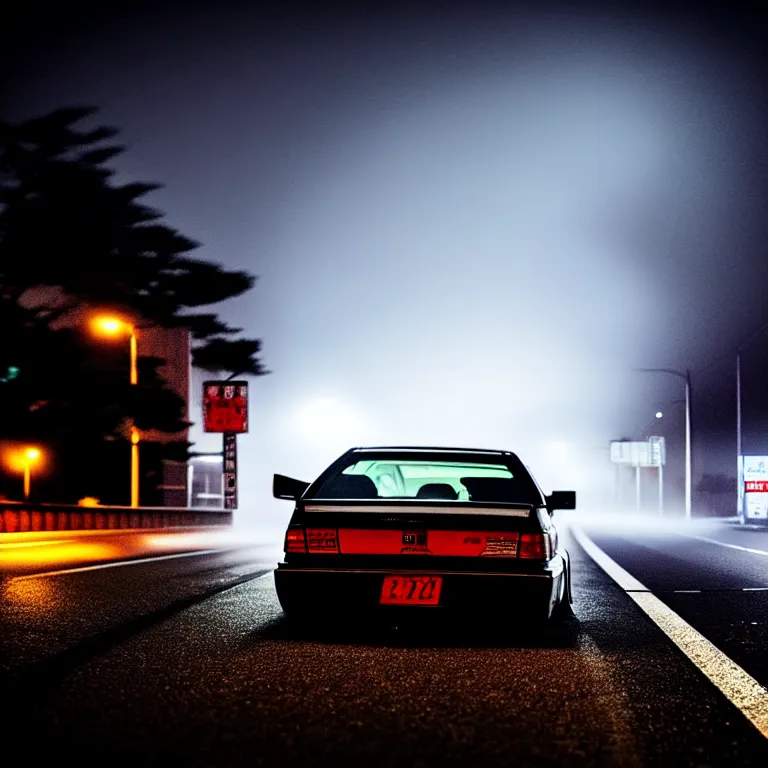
295, 541
535, 546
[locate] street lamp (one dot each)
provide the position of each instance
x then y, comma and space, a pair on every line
31, 456
650, 428
686, 377
109, 325
21, 458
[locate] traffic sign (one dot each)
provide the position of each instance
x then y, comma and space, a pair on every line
646, 453
225, 406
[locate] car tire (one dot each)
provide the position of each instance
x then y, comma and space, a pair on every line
563, 608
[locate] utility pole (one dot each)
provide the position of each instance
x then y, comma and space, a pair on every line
686, 377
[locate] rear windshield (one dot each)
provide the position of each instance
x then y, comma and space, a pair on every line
436, 480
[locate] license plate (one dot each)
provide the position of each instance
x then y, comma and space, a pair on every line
411, 590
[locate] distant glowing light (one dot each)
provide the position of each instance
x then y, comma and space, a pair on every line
328, 419
110, 325
659, 414
19, 459
11, 373
558, 450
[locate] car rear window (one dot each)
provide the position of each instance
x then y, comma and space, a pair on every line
436, 480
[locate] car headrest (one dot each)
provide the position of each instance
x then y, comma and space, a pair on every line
350, 487
492, 489
437, 491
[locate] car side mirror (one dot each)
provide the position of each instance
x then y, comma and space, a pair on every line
561, 500
288, 488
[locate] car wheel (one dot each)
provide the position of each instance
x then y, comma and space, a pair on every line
295, 610
563, 609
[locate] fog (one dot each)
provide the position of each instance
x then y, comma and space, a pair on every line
464, 235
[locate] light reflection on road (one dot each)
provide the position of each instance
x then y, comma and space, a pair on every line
25, 555
28, 553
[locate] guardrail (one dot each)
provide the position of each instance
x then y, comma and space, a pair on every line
22, 517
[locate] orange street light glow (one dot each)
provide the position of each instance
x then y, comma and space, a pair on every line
111, 325
22, 459
19, 458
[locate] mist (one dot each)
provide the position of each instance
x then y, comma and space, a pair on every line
465, 235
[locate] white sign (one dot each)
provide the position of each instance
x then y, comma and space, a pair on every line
756, 467
621, 452
641, 454
658, 452
648, 453
756, 487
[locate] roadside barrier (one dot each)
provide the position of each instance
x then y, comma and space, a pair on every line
22, 517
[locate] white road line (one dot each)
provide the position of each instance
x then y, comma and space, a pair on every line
739, 688
723, 544
115, 564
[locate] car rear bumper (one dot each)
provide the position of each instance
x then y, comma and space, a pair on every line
355, 591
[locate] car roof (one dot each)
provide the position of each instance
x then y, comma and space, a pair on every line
427, 448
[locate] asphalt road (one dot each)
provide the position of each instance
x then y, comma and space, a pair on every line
713, 574
189, 661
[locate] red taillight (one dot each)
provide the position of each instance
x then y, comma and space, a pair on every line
535, 546
295, 541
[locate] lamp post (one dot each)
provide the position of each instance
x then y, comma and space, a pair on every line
31, 455
112, 326
686, 377
658, 416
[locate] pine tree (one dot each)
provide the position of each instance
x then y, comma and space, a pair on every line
71, 237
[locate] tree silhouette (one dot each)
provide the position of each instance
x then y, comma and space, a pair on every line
64, 224
70, 237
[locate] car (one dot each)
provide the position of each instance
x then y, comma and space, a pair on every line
413, 529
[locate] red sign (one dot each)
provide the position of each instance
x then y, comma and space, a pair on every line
756, 486
225, 406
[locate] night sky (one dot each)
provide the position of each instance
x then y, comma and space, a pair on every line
469, 222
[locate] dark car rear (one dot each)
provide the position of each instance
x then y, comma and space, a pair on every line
419, 529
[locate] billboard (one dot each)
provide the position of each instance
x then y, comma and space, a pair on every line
225, 406
648, 453
755, 487
621, 451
